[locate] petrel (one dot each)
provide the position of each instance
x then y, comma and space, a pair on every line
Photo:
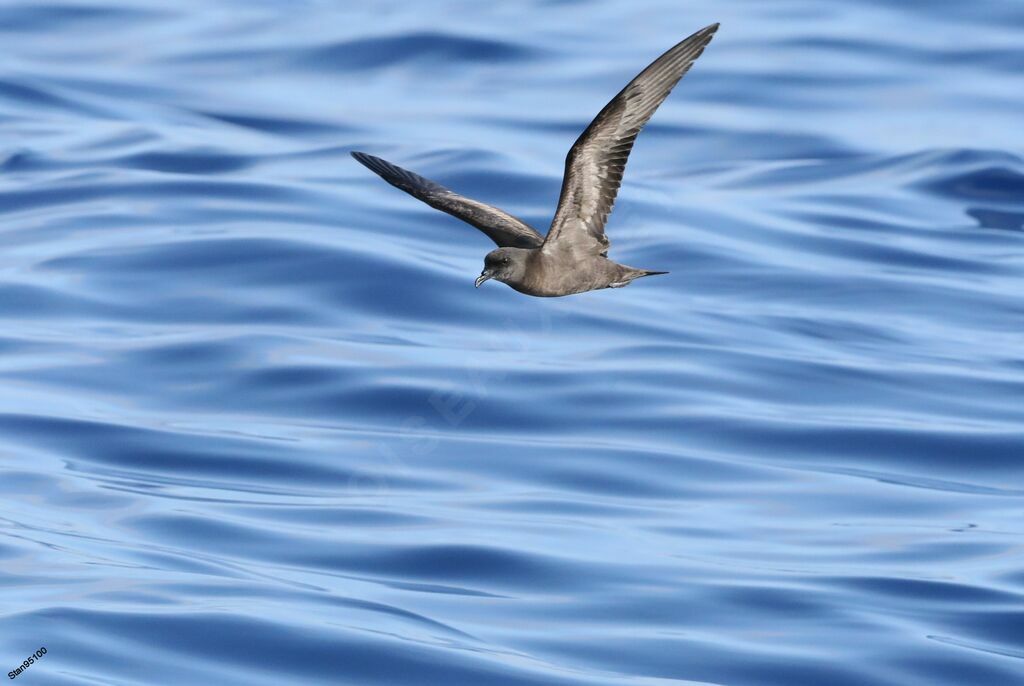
573, 258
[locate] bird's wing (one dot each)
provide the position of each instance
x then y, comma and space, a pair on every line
501, 227
594, 165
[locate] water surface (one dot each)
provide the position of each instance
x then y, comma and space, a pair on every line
257, 426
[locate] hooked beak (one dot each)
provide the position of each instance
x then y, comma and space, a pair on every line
484, 276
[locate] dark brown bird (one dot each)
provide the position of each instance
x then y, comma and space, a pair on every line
573, 258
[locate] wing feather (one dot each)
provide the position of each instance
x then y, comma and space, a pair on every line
500, 226
596, 162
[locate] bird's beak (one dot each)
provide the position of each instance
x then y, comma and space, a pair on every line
484, 275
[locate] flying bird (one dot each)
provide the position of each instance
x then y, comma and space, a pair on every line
573, 257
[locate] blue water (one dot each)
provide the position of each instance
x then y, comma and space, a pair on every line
257, 427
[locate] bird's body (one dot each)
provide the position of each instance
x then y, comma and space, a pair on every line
549, 275
573, 257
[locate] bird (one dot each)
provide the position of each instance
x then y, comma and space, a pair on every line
573, 256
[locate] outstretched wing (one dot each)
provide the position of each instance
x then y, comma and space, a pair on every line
594, 165
501, 227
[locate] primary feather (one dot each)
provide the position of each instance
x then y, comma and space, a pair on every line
594, 165
500, 226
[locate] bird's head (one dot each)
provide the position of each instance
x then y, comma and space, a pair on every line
507, 265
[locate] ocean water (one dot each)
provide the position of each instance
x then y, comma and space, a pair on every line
257, 426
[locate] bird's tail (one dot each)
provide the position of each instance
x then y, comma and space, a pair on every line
648, 272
